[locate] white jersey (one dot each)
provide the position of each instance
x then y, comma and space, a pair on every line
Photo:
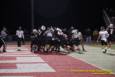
49, 34
104, 35
20, 33
60, 33
77, 35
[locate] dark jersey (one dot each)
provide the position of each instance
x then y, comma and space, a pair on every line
1, 42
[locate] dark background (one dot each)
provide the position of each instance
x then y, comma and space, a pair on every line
80, 13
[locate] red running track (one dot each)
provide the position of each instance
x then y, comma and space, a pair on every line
64, 66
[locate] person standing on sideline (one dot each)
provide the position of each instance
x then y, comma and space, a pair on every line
20, 37
103, 36
88, 36
95, 35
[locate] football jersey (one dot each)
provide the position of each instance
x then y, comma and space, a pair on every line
104, 35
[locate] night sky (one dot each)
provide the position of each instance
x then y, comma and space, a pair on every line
84, 13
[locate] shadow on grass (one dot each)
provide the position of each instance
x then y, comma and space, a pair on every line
111, 54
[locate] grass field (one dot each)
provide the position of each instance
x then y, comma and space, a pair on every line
99, 45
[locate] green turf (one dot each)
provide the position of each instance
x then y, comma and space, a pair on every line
98, 45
